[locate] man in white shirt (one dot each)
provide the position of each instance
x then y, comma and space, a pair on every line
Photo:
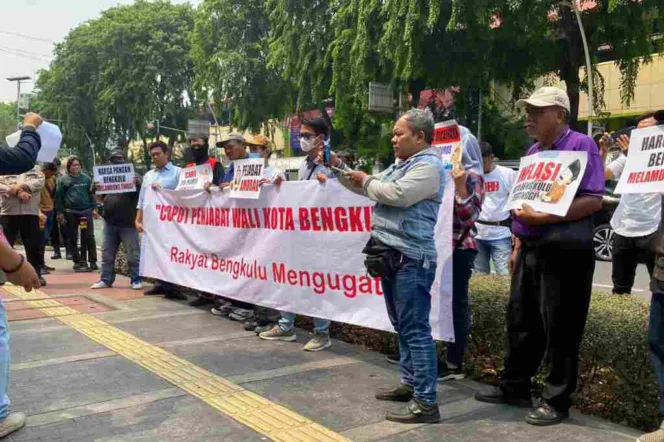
635, 223
494, 236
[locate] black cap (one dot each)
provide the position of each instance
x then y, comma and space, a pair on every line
117, 152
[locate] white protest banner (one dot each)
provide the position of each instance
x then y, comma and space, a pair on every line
644, 171
51, 139
195, 177
297, 249
447, 138
114, 178
247, 176
548, 181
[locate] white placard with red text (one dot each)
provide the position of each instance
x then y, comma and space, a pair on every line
447, 138
195, 178
644, 171
297, 248
247, 176
548, 181
114, 178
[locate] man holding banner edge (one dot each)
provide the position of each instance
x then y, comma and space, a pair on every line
552, 270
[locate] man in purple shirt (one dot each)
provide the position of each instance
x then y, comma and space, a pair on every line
552, 270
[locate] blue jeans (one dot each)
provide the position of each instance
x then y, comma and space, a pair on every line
4, 362
462, 269
408, 302
46, 231
498, 250
113, 236
287, 322
656, 341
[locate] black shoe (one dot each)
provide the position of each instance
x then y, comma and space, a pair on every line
56, 255
415, 413
403, 393
251, 325
42, 281
155, 290
44, 271
81, 268
200, 302
176, 296
49, 268
446, 373
545, 415
93, 267
498, 396
69, 257
393, 358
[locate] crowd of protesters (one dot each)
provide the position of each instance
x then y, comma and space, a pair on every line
550, 258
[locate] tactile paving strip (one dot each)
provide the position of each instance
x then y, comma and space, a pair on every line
261, 415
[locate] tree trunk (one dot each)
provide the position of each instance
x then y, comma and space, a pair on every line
571, 60
415, 89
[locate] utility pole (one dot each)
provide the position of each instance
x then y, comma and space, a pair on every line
18, 81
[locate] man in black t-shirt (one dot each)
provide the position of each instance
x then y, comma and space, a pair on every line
119, 216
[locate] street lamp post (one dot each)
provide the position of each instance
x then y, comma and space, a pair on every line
18, 81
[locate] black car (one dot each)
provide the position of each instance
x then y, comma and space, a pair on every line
603, 234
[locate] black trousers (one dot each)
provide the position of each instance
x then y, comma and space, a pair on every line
546, 317
55, 236
628, 252
88, 250
28, 227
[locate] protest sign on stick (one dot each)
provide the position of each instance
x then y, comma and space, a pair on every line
644, 171
114, 178
195, 177
247, 178
548, 181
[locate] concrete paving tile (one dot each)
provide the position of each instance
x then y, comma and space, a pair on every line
60, 386
176, 419
37, 346
23, 315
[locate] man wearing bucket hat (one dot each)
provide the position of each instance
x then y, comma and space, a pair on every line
552, 270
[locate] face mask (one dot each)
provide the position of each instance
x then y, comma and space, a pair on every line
254, 155
306, 145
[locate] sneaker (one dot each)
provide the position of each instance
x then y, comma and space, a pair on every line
241, 314
56, 255
277, 334
655, 436
69, 257
415, 412
44, 271
498, 396
403, 393
320, 341
138, 285
42, 281
264, 328
93, 267
100, 285
13, 422
445, 373
200, 302
545, 415
176, 296
81, 268
223, 308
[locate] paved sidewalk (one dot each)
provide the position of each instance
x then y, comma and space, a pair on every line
113, 365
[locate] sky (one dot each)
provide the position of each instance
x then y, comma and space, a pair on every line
30, 28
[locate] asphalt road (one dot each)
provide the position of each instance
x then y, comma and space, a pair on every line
602, 280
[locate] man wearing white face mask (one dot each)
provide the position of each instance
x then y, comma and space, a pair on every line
312, 134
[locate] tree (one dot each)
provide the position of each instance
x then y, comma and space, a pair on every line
230, 49
114, 74
7, 119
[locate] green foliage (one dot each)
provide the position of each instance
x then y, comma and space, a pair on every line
114, 74
230, 48
7, 120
